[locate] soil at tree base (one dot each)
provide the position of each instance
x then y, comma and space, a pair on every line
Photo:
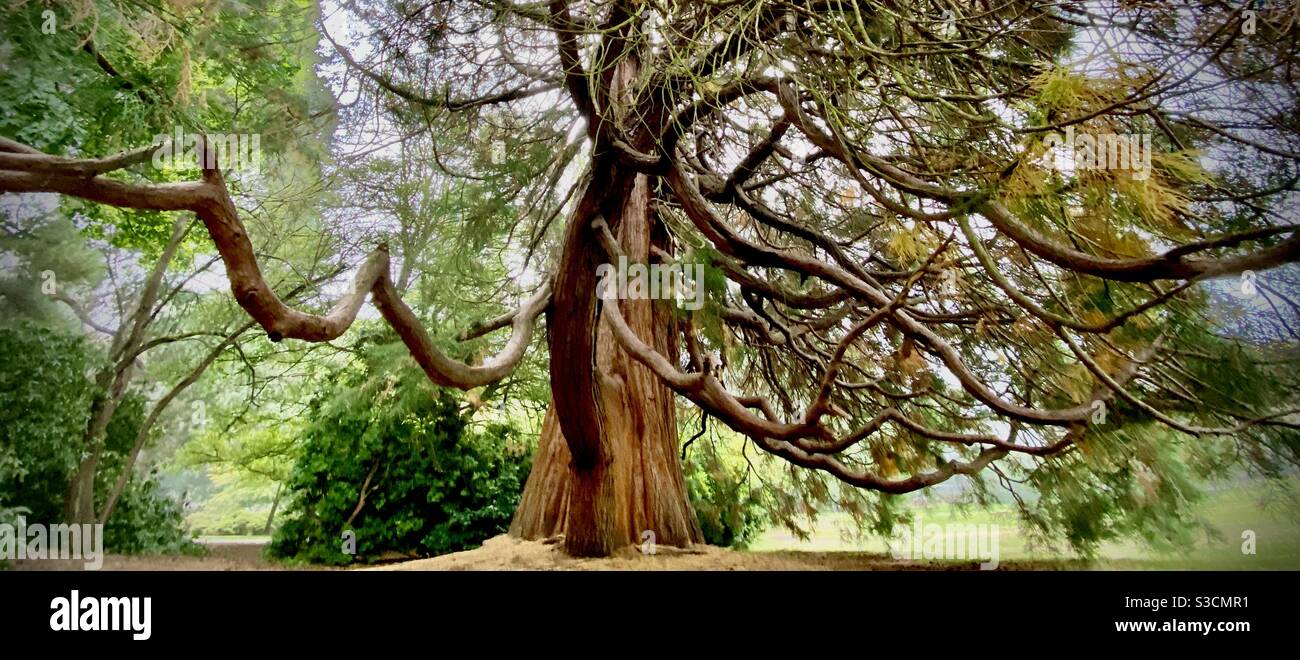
508, 553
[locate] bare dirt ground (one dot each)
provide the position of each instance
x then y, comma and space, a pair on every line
503, 553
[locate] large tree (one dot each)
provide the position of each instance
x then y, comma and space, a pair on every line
901, 285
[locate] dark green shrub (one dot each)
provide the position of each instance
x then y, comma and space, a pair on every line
730, 506
44, 404
431, 485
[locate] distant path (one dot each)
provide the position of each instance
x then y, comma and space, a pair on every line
237, 554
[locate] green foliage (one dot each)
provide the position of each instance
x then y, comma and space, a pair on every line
1135, 481
44, 405
137, 66
239, 504
1133, 477
114, 74
216, 520
45, 399
730, 504
431, 484
49, 246
146, 521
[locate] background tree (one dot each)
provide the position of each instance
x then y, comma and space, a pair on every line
101, 75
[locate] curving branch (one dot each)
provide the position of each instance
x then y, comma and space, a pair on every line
210, 200
1172, 265
446, 102
809, 443
732, 243
778, 438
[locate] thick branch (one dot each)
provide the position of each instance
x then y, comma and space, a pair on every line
210, 200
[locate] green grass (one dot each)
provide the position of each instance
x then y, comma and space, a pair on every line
236, 538
1230, 512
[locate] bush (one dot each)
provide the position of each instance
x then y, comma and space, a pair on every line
431, 485
45, 396
145, 521
44, 404
731, 508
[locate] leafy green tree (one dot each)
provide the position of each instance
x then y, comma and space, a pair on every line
45, 394
105, 74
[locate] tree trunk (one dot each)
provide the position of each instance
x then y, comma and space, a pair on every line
633, 483
606, 472
112, 382
79, 499
275, 506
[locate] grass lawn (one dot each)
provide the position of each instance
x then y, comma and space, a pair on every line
235, 538
1232, 511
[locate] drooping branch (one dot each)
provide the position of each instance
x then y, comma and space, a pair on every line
772, 436
1173, 265
730, 242
446, 102
788, 439
1176, 264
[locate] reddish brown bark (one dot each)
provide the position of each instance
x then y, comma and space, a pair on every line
631, 481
